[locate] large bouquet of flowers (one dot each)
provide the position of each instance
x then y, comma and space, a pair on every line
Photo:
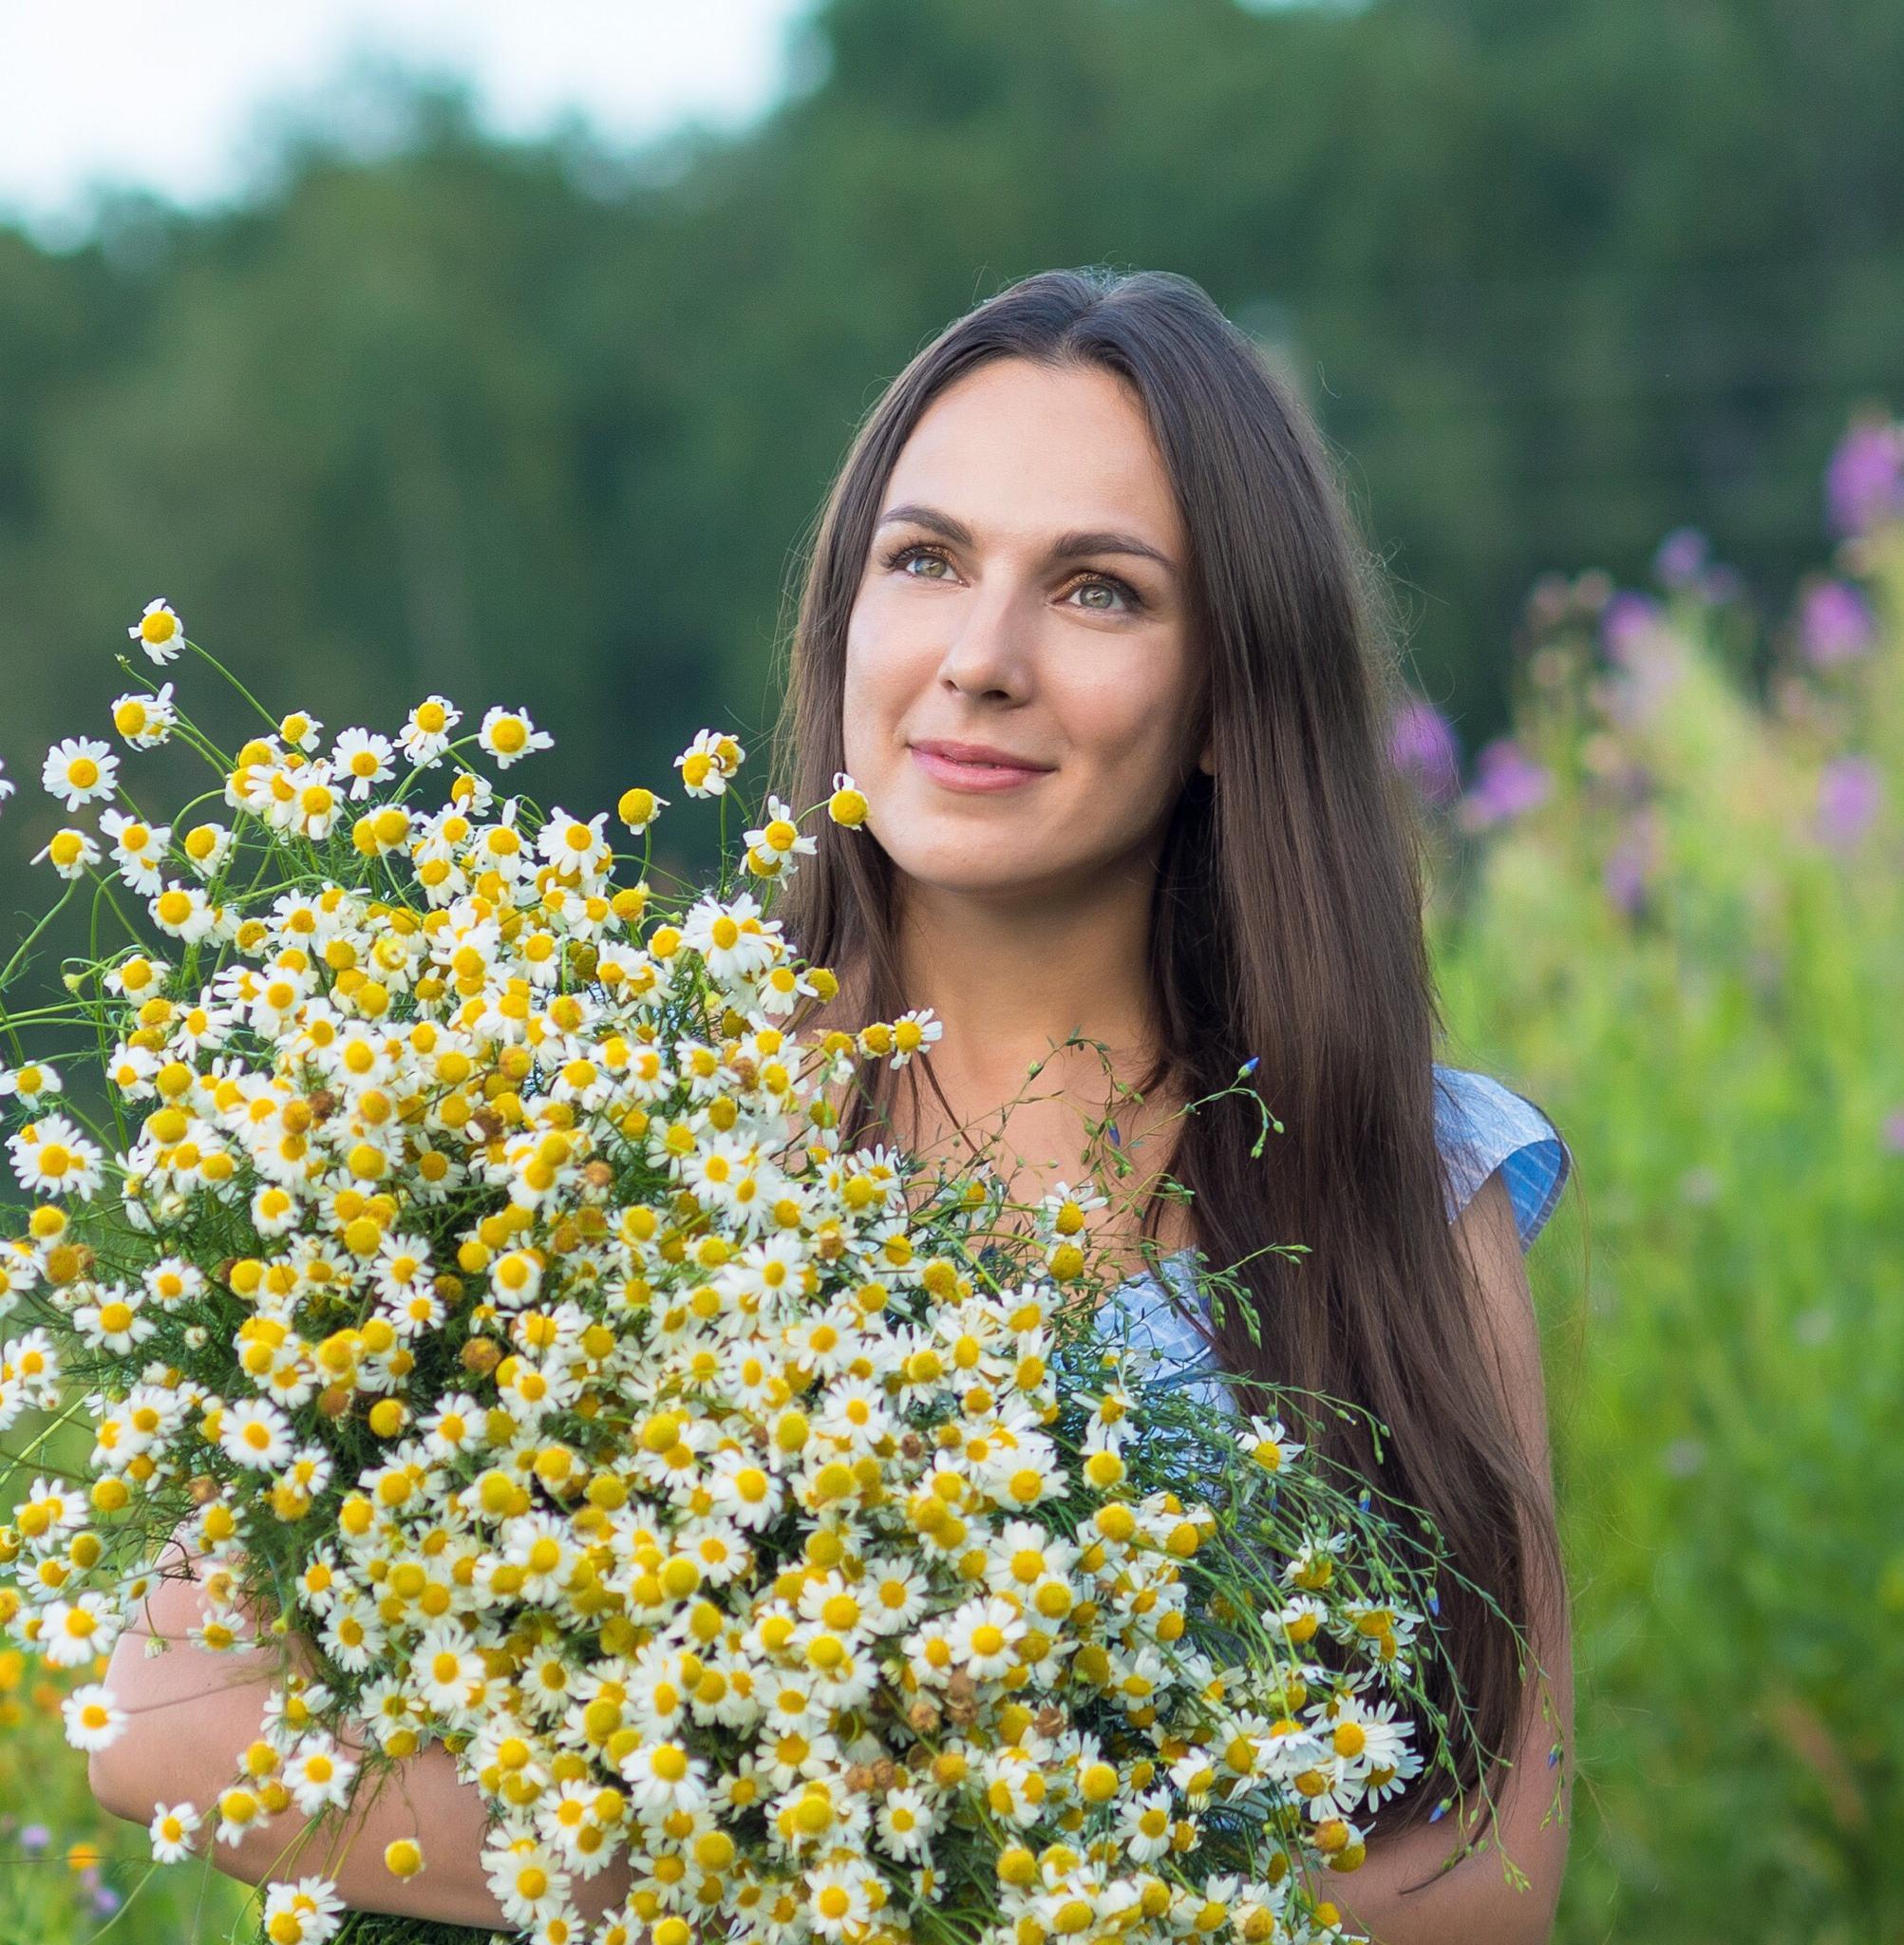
472, 1275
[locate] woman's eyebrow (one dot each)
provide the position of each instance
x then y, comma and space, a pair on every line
1066, 547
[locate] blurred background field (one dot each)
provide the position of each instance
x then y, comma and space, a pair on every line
1600, 315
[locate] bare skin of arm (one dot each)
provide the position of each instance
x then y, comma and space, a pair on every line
193, 1711
1388, 1898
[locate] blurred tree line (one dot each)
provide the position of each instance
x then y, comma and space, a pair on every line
546, 425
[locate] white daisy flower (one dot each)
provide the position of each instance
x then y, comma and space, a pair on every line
300, 731
72, 853
257, 1434
184, 912
116, 1322
709, 761
1268, 1445
78, 770
7, 787
528, 1882
985, 1635
144, 720
206, 847
663, 1777
306, 1913
575, 847
30, 1082
172, 1281
425, 732
446, 1670
508, 735
93, 1719
363, 757
904, 1824
52, 1157
72, 1632
159, 631
318, 1775
172, 1829
137, 849
1143, 1825
779, 835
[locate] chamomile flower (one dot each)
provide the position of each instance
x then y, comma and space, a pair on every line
318, 1774
144, 720
662, 1777
308, 1912
508, 735
847, 806
71, 853
779, 837
363, 757
72, 1632
528, 1881
172, 1829
137, 849
78, 770
709, 763
1268, 1443
117, 1322
52, 1157
30, 1082
94, 1720
206, 847
913, 1031
1144, 1824
984, 1636
425, 732
256, 1433
300, 731
159, 631
573, 845
904, 1824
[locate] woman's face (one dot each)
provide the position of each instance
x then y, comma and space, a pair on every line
1025, 593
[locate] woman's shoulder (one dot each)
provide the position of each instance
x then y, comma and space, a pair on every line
1480, 1126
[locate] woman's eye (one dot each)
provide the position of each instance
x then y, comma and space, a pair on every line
907, 554
901, 559
1110, 584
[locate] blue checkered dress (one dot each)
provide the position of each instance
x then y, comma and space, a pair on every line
1480, 1126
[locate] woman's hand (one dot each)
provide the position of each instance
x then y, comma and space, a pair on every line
192, 1713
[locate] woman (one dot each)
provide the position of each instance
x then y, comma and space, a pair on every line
1087, 621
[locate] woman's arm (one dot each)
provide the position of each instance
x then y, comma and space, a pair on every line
192, 1713
1474, 1900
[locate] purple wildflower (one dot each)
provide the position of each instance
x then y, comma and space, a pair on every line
1421, 746
34, 1837
1626, 622
1851, 793
1864, 477
1893, 1131
1632, 862
1507, 782
1680, 557
1835, 623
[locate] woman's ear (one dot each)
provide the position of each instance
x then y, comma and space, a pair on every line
1207, 762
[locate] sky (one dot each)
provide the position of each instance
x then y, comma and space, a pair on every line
180, 97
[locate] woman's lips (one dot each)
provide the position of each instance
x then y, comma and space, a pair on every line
979, 775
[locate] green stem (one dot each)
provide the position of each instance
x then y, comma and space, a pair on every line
203, 656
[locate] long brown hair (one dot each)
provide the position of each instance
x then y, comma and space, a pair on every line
1286, 923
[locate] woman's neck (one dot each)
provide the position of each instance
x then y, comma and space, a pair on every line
1011, 986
